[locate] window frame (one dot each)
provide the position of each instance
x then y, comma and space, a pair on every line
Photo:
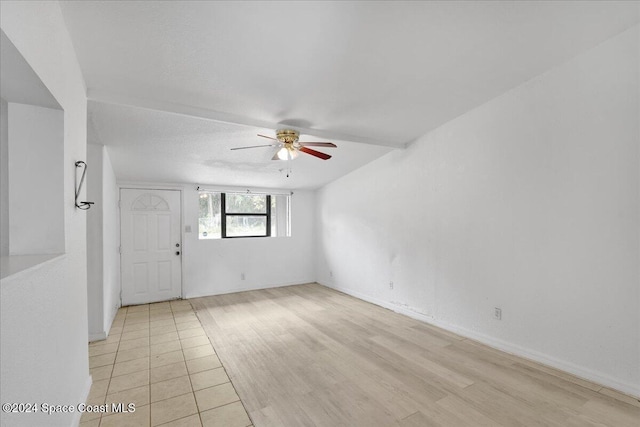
224, 214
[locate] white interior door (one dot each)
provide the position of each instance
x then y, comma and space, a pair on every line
151, 247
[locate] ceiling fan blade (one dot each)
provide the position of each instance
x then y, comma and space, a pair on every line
254, 146
268, 137
315, 153
318, 144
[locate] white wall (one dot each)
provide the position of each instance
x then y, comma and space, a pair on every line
111, 241
36, 223
214, 266
95, 255
103, 232
4, 179
529, 203
43, 311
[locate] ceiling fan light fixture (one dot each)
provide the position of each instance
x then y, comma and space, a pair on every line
288, 152
283, 153
289, 147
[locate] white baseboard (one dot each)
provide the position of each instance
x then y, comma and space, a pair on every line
244, 289
98, 336
75, 421
563, 365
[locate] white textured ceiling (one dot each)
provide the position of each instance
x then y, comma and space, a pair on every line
381, 73
153, 146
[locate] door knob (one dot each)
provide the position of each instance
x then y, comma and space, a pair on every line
177, 252
177, 245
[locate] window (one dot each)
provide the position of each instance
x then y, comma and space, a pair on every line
231, 215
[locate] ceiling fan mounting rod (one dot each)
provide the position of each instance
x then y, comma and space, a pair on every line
287, 136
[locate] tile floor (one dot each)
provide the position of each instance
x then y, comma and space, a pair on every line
158, 357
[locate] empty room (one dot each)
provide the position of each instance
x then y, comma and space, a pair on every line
319, 213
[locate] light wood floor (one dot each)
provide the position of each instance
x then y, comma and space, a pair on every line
310, 356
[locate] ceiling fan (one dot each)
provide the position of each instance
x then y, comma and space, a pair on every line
289, 147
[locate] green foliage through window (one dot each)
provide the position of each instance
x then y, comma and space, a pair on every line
228, 215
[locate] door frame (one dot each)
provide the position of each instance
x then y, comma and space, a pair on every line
132, 186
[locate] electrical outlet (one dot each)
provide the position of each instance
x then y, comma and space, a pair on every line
390, 285
241, 276
497, 313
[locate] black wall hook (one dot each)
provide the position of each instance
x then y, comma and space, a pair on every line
81, 205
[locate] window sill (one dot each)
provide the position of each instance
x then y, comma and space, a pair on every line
14, 264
